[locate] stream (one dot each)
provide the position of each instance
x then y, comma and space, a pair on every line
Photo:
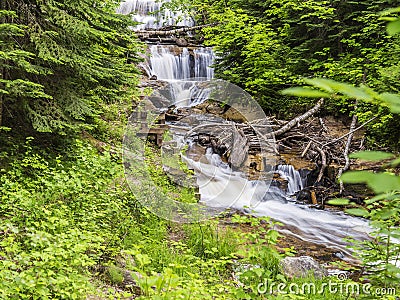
221, 186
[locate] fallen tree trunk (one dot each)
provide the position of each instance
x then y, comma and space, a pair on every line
149, 33
240, 148
299, 119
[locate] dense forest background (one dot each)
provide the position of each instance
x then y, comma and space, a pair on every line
69, 226
266, 46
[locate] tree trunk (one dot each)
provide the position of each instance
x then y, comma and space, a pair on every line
347, 149
299, 119
149, 33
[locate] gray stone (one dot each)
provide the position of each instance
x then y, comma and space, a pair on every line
181, 42
302, 266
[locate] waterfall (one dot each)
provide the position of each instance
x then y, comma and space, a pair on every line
204, 58
220, 186
294, 180
166, 65
167, 62
150, 14
188, 93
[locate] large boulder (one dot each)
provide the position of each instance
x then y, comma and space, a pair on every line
302, 266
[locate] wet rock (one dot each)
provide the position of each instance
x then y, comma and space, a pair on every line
304, 196
181, 42
154, 77
302, 266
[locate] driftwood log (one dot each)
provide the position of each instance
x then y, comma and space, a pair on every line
299, 119
241, 147
143, 34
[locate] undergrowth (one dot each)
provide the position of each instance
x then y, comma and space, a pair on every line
70, 228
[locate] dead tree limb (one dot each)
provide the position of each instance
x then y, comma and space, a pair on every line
323, 125
323, 164
149, 33
347, 150
350, 132
306, 149
299, 119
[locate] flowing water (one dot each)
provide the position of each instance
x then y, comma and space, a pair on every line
169, 62
149, 15
219, 185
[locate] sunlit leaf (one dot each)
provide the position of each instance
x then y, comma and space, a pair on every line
379, 183
390, 11
356, 177
392, 100
376, 198
305, 92
339, 201
352, 91
384, 183
387, 213
393, 27
322, 83
371, 155
360, 212
396, 162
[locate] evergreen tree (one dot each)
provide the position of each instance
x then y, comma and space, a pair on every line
61, 60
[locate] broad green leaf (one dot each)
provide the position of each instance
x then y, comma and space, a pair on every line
392, 100
305, 92
376, 198
393, 27
388, 19
378, 182
360, 212
356, 176
322, 83
371, 155
384, 183
387, 213
352, 91
396, 162
339, 201
389, 11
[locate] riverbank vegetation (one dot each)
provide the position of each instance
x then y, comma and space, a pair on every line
69, 226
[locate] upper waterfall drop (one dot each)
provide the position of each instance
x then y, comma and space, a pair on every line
151, 15
169, 62
173, 63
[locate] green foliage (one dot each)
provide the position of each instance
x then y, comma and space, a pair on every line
60, 218
393, 27
266, 46
381, 254
370, 100
209, 241
61, 61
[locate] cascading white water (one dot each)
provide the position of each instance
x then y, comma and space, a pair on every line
169, 62
221, 187
188, 93
150, 15
204, 58
294, 180
166, 64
